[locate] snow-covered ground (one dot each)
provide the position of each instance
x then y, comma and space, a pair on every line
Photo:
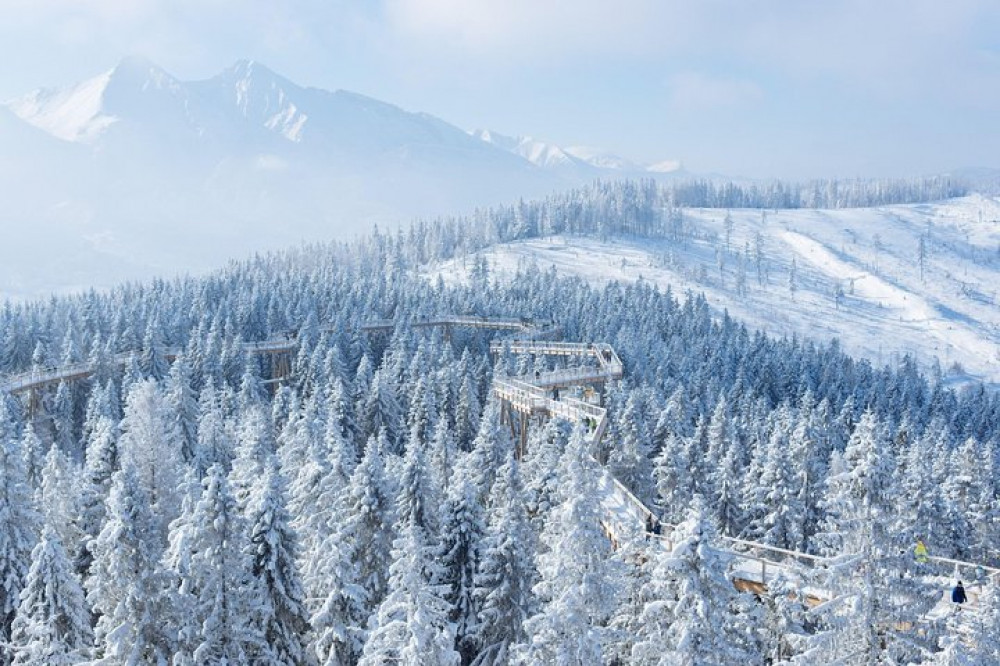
888, 306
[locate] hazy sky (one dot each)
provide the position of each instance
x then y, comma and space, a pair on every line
791, 88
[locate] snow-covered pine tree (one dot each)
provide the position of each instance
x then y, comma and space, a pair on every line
125, 588
19, 523
983, 625
340, 621
418, 500
366, 530
875, 578
33, 451
411, 626
59, 496
506, 569
214, 443
698, 617
152, 449
176, 563
783, 631
52, 625
254, 447
671, 470
152, 360
460, 544
95, 484
634, 546
182, 406
442, 455
630, 460
273, 547
579, 577
228, 603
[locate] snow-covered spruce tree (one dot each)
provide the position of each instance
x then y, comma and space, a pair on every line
461, 534
182, 406
52, 625
19, 523
541, 470
214, 443
877, 583
152, 449
152, 360
176, 565
695, 615
442, 454
62, 421
579, 577
411, 625
489, 450
382, 410
254, 447
228, 603
634, 546
339, 625
506, 569
58, 497
125, 588
983, 625
283, 620
630, 460
954, 652
366, 530
33, 451
468, 411
782, 523
95, 484
317, 479
673, 479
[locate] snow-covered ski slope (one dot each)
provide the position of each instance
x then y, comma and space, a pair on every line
888, 306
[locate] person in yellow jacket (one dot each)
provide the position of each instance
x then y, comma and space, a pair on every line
920, 552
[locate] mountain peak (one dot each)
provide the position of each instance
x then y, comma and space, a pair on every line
73, 114
139, 73
253, 71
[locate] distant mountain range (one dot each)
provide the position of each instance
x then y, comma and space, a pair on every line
134, 172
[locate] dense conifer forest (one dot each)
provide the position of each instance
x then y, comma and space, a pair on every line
369, 508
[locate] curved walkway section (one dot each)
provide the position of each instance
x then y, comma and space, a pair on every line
754, 564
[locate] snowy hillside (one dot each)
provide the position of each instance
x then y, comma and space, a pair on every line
855, 275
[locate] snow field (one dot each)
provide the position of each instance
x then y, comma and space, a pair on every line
947, 317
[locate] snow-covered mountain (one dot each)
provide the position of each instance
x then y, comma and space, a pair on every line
142, 170
546, 155
918, 279
581, 159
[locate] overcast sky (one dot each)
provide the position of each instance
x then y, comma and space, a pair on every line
784, 88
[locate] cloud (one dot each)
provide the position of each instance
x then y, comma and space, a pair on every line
517, 31
888, 47
694, 91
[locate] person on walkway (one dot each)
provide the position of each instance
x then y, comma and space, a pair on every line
920, 552
958, 594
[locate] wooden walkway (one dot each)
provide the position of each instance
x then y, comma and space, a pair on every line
754, 564
283, 343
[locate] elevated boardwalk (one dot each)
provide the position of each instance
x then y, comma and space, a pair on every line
283, 343
540, 331
755, 565
41, 377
